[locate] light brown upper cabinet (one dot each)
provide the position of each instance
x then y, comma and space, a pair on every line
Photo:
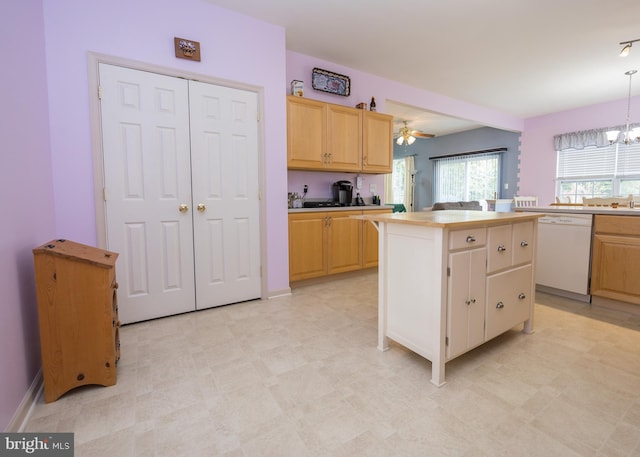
377, 144
328, 137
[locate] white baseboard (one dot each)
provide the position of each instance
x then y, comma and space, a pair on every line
22, 414
279, 293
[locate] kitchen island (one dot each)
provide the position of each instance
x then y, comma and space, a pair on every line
451, 280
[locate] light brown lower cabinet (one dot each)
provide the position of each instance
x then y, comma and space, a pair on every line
370, 240
615, 265
330, 242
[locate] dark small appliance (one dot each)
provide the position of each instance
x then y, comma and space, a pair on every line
343, 192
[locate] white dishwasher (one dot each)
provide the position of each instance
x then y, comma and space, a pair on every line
563, 261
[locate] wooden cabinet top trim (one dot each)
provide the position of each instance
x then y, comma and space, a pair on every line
71, 250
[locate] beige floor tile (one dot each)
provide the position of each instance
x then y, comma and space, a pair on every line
301, 376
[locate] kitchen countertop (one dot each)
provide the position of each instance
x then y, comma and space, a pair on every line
619, 211
452, 218
340, 208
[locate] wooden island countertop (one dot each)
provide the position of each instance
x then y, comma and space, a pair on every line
452, 218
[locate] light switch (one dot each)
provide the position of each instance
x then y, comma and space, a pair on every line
372, 188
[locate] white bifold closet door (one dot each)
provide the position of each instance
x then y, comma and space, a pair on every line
181, 192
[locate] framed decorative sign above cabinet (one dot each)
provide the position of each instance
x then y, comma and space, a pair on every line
333, 83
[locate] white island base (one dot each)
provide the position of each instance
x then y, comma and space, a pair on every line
452, 280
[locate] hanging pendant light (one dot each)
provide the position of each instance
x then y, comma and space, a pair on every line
630, 135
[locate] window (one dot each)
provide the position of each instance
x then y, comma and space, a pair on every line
398, 182
399, 186
466, 177
598, 171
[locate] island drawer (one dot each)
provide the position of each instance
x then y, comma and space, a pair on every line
467, 238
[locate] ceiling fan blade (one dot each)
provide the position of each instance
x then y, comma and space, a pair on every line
422, 135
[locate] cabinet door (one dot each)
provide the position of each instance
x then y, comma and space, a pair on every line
306, 133
615, 267
509, 296
344, 138
344, 242
522, 243
307, 245
377, 146
370, 240
466, 301
499, 248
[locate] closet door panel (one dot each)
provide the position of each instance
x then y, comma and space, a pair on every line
226, 184
147, 173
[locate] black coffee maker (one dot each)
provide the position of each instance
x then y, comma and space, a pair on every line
343, 192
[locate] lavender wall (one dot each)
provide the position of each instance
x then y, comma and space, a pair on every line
27, 198
538, 154
234, 47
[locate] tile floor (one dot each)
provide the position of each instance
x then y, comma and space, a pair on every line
301, 376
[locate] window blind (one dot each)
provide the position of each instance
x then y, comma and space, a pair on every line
588, 162
609, 161
466, 177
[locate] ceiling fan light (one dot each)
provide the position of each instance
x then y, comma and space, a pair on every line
635, 133
399, 141
625, 51
410, 140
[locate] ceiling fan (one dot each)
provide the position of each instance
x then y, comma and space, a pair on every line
407, 136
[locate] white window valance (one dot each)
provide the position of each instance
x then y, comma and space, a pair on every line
584, 138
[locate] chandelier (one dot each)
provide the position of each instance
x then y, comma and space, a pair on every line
630, 135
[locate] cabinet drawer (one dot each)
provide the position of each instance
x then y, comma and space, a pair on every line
467, 238
508, 300
522, 243
617, 225
499, 247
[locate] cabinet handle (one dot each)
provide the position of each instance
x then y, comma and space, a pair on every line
524, 243
201, 207
183, 208
500, 305
473, 300
471, 239
522, 296
501, 248
468, 302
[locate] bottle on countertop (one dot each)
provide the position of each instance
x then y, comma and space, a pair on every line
372, 105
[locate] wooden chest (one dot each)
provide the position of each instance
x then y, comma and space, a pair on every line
78, 312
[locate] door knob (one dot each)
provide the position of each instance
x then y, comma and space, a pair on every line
183, 208
201, 207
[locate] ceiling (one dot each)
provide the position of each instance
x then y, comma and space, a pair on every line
522, 57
